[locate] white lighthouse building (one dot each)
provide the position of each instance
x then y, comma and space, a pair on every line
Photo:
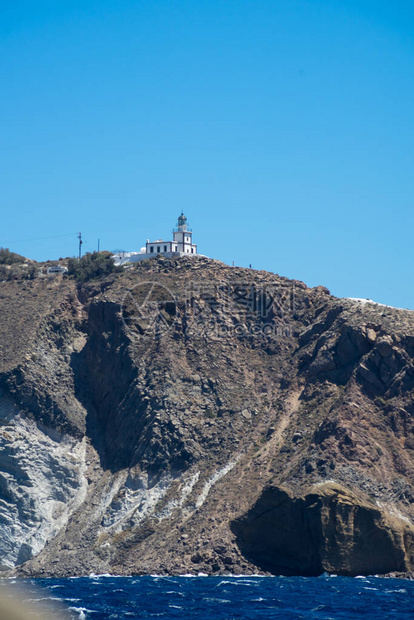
181, 245
183, 237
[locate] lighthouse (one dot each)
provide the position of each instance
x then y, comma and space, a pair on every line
181, 245
182, 237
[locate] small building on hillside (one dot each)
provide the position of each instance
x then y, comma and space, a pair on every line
181, 245
54, 269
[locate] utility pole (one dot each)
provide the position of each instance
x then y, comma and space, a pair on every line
80, 245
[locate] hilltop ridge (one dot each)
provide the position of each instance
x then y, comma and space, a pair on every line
184, 416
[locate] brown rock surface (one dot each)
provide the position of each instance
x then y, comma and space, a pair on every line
327, 530
147, 418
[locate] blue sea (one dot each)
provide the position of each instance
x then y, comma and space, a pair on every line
225, 598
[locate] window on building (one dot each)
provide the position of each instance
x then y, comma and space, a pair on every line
158, 248
175, 248
165, 248
152, 248
192, 250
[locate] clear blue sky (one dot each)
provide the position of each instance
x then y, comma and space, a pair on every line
283, 128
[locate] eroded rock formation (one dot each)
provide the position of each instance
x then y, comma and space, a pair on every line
185, 416
327, 530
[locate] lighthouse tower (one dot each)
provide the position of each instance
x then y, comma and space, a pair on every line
180, 246
183, 237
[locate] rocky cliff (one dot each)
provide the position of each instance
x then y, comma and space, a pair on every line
184, 416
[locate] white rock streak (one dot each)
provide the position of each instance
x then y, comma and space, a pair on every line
214, 478
178, 502
42, 482
133, 502
376, 303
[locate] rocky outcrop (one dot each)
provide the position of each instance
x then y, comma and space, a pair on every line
164, 418
329, 530
42, 482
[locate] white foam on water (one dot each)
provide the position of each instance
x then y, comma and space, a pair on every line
104, 576
188, 575
82, 611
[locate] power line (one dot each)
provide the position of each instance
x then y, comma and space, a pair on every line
40, 238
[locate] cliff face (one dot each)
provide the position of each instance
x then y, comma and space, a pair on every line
185, 416
329, 530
